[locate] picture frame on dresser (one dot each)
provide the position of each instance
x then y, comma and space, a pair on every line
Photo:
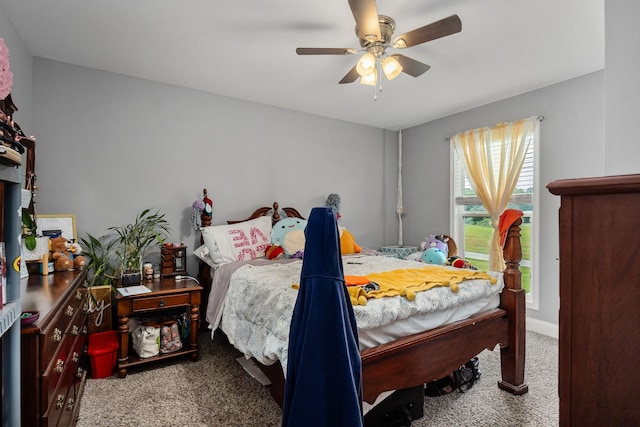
48, 224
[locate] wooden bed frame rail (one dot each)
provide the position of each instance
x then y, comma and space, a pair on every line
427, 356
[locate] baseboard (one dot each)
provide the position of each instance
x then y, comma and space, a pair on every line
542, 327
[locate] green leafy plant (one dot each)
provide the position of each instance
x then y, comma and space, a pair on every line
28, 229
123, 248
138, 239
100, 253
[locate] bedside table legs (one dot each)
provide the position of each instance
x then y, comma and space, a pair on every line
195, 323
123, 348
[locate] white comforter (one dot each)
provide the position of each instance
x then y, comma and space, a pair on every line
257, 308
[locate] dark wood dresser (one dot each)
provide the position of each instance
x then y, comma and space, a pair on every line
599, 300
53, 359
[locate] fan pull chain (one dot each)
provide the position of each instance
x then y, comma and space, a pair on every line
378, 86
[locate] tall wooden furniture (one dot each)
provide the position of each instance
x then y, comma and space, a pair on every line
10, 312
53, 356
599, 300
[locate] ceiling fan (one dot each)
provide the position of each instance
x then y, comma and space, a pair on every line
374, 34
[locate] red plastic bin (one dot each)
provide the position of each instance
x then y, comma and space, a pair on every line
102, 351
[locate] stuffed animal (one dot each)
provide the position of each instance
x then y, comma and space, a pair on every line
434, 256
274, 252
348, 243
436, 241
456, 261
289, 233
65, 254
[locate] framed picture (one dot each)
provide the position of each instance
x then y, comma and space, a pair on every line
63, 224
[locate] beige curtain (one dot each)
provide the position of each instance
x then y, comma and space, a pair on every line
492, 159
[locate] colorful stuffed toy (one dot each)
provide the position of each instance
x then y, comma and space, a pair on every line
436, 241
348, 243
274, 252
456, 261
289, 233
434, 256
65, 254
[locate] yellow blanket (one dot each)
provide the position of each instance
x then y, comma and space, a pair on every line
407, 282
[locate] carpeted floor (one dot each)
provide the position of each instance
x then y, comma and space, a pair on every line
216, 391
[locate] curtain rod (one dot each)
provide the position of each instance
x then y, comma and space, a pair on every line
447, 139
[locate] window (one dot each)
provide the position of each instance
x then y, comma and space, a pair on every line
471, 223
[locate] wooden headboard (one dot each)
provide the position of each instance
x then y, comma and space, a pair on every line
263, 211
275, 216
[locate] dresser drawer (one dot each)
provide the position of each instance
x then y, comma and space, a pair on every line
67, 356
62, 401
71, 312
164, 301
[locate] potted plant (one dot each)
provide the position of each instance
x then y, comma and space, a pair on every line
100, 252
137, 240
121, 251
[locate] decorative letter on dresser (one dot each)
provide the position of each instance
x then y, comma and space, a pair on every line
53, 349
599, 300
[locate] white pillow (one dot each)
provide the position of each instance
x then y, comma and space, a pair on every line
202, 253
237, 242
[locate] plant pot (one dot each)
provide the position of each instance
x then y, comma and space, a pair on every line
130, 278
131, 271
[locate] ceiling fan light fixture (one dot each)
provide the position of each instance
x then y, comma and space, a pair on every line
391, 67
399, 43
369, 79
366, 64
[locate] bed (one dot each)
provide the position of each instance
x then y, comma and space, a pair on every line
406, 361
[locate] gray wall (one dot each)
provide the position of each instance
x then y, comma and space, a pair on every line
622, 86
112, 145
571, 146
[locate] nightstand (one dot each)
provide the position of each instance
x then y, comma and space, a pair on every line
167, 296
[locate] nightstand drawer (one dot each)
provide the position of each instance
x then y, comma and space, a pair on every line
164, 301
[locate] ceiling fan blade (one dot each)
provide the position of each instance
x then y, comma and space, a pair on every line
365, 13
435, 30
411, 66
325, 51
351, 76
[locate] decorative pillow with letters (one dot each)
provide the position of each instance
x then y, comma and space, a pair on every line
238, 242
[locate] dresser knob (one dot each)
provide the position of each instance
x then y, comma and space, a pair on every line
162, 303
79, 372
78, 294
57, 335
59, 366
70, 404
75, 357
59, 401
75, 330
69, 311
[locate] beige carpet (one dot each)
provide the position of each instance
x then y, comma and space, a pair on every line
216, 391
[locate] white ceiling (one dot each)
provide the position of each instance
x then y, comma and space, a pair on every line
246, 49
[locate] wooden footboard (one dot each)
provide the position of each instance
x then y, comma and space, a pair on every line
430, 355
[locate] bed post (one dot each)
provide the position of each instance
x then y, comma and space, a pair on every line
204, 271
512, 300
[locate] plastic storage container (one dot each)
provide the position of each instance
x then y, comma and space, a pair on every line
102, 351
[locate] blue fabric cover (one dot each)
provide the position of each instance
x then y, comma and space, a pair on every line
324, 372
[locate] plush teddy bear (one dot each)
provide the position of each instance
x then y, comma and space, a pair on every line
65, 254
